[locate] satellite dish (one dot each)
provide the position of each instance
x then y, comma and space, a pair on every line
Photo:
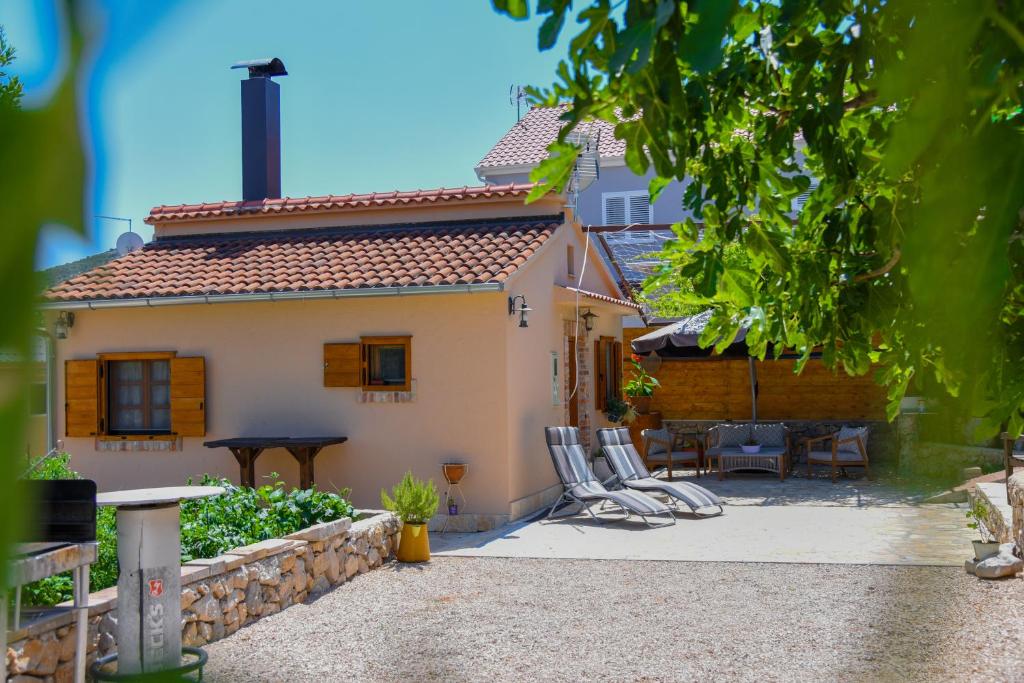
128, 242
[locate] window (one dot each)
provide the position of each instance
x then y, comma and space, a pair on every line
570, 260
608, 375
155, 395
139, 396
387, 363
626, 208
37, 399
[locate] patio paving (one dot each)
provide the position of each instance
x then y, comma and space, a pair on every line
766, 520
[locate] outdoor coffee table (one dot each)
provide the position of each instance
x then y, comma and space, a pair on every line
768, 459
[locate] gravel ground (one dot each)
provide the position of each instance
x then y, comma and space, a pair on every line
478, 619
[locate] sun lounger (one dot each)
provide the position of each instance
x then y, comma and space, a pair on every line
632, 474
580, 485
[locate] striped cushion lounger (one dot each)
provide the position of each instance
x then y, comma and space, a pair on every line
631, 472
580, 485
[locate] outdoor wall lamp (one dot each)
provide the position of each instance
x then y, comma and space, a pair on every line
64, 322
588, 319
522, 309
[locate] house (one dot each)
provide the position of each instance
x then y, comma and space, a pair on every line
15, 368
427, 327
616, 205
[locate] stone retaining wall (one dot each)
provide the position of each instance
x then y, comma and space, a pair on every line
219, 595
1015, 490
998, 516
946, 461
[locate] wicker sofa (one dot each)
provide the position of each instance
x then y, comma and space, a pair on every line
723, 447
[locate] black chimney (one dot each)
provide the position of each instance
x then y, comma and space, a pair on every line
261, 129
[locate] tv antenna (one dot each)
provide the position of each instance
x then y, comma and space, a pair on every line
517, 96
126, 241
587, 168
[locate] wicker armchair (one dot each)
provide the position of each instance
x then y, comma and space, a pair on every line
847, 448
661, 447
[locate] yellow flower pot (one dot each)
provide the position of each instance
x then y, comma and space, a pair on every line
414, 544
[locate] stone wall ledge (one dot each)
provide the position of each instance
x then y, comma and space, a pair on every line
219, 595
321, 532
1015, 489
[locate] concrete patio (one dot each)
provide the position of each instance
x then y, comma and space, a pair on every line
798, 520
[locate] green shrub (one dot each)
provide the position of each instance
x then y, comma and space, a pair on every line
209, 526
414, 500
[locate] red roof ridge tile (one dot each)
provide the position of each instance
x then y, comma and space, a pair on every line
179, 212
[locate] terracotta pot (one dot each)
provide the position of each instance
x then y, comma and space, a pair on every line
453, 471
413, 543
642, 404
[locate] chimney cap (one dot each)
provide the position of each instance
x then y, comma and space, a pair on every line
262, 68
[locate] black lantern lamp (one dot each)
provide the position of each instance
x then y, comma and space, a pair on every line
522, 309
64, 322
588, 319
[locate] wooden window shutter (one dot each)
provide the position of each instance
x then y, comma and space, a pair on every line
82, 398
617, 369
600, 378
188, 396
342, 365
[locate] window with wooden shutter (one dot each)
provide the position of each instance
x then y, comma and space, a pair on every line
600, 376
616, 360
124, 395
342, 365
188, 396
386, 363
81, 397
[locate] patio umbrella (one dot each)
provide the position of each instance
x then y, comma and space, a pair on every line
684, 335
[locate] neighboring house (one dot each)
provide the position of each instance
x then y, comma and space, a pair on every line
382, 317
13, 370
616, 199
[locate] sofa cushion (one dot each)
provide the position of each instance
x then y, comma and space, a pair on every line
732, 434
851, 433
826, 456
770, 434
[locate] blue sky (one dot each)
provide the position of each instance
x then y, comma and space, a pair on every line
381, 95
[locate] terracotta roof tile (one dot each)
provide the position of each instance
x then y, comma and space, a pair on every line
236, 209
526, 143
323, 259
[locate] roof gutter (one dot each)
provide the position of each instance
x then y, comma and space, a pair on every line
157, 301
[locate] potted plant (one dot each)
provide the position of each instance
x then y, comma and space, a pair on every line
619, 411
987, 545
640, 387
415, 502
750, 446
